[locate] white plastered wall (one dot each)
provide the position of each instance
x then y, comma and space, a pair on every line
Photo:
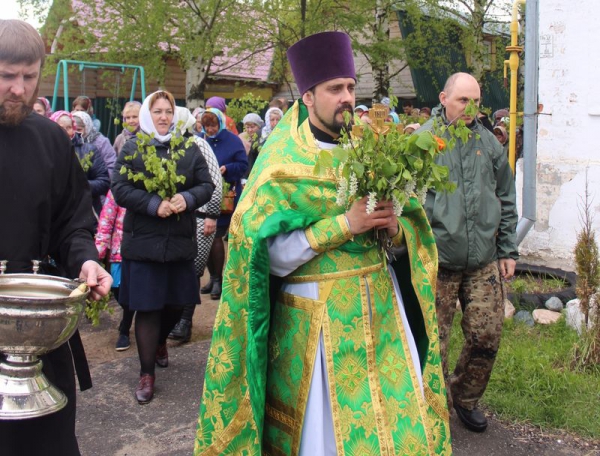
568, 128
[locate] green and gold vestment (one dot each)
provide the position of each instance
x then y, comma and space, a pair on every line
264, 342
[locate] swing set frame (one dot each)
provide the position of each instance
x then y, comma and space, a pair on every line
62, 70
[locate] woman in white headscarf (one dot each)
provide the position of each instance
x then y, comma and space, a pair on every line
97, 139
272, 118
159, 234
206, 217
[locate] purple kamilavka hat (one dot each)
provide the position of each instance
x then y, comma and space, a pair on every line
321, 57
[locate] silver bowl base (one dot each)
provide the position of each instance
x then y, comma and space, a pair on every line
25, 392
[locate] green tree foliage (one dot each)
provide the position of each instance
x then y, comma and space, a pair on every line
198, 31
587, 264
239, 107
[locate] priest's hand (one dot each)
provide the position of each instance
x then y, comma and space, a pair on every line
382, 217
97, 278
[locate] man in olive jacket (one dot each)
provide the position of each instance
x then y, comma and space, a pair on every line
475, 232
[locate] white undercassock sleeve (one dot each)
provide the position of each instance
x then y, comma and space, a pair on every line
288, 252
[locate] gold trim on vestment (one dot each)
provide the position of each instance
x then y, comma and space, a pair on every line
367, 292
290, 418
240, 419
333, 400
419, 395
432, 400
324, 277
333, 239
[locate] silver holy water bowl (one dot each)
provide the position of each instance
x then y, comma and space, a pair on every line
37, 315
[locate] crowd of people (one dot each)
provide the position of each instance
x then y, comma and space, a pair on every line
320, 346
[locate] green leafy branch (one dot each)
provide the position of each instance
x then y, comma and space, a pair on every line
93, 309
86, 161
160, 173
392, 167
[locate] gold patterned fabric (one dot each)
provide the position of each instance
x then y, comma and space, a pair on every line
264, 342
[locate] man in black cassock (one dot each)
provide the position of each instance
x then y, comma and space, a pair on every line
46, 215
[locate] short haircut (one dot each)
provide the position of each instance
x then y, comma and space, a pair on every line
452, 80
130, 106
407, 103
20, 43
162, 95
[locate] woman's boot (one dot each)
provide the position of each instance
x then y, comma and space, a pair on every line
206, 289
215, 292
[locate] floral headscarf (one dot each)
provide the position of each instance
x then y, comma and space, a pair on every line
88, 124
47, 107
220, 117
58, 114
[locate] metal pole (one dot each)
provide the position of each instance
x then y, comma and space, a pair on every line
530, 120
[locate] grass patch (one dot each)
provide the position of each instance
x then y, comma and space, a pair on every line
532, 382
535, 284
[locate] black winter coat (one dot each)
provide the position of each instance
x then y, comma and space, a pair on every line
146, 236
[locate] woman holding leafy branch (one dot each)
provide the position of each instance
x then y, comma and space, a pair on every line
161, 179
91, 162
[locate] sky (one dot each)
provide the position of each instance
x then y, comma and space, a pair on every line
10, 10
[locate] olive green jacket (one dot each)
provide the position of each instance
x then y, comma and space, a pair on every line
476, 224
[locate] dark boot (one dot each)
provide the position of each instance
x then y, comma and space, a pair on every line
182, 331
162, 356
473, 420
206, 289
215, 293
145, 390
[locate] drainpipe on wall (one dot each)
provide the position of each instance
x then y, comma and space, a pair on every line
530, 119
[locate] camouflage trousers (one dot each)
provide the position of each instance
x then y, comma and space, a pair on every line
481, 298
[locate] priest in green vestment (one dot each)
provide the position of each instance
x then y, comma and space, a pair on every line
319, 346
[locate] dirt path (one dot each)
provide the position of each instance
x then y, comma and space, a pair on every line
99, 341
132, 427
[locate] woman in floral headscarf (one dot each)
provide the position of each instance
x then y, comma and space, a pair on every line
90, 160
233, 163
97, 139
42, 107
219, 103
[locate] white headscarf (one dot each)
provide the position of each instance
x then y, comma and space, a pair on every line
186, 118
146, 123
267, 128
87, 122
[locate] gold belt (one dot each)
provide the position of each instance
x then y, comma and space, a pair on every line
326, 276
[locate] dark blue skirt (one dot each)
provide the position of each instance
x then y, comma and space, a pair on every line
148, 286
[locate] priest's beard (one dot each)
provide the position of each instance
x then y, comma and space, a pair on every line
13, 114
335, 126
